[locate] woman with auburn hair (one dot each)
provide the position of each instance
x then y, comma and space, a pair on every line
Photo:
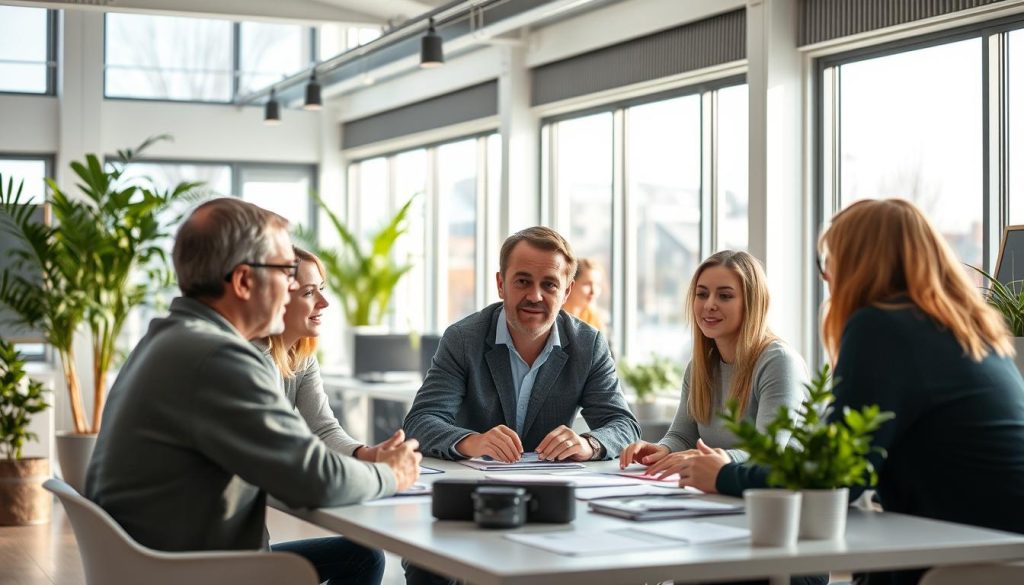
735, 356
908, 331
293, 353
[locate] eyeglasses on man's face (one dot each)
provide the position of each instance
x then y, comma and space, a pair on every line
290, 270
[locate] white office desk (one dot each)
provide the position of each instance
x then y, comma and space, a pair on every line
874, 541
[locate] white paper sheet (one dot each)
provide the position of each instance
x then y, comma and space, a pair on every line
695, 532
637, 489
590, 543
399, 501
529, 460
582, 480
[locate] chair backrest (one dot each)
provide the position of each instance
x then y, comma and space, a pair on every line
111, 557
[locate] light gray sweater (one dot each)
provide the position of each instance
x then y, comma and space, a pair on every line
778, 380
305, 392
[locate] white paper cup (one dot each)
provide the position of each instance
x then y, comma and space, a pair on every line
773, 516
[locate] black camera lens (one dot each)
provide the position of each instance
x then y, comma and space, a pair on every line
499, 507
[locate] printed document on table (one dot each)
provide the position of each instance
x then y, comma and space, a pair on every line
588, 543
694, 532
640, 489
580, 480
527, 461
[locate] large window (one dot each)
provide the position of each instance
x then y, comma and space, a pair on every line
27, 54
909, 126
631, 187
448, 183
193, 59
939, 122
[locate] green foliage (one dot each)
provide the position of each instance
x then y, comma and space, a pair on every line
820, 454
1008, 299
20, 398
363, 280
646, 379
102, 256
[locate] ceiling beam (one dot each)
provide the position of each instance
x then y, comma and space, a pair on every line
394, 11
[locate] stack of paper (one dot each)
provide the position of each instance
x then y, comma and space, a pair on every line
646, 508
674, 534
528, 461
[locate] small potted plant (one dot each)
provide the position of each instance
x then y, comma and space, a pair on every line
1008, 299
22, 497
820, 459
647, 379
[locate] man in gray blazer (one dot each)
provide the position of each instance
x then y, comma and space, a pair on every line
512, 377
197, 431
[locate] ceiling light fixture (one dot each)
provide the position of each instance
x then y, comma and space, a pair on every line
272, 110
313, 101
431, 48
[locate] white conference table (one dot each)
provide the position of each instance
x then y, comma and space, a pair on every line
874, 541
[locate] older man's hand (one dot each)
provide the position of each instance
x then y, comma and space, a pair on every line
500, 443
563, 443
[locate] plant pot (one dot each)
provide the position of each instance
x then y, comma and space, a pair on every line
646, 411
773, 516
23, 501
1018, 344
73, 453
823, 514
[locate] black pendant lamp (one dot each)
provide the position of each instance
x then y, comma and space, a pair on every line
313, 100
272, 110
431, 48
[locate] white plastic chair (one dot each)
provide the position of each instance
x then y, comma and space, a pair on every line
989, 574
111, 557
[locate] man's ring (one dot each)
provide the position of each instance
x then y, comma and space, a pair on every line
568, 442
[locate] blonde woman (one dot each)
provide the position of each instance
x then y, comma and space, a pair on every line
582, 301
735, 356
293, 353
907, 330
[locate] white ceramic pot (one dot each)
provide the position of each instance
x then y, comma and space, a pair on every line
73, 454
823, 514
773, 516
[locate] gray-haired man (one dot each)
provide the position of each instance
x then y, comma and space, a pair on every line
197, 432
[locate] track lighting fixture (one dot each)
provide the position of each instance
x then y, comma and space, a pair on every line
313, 101
272, 110
431, 48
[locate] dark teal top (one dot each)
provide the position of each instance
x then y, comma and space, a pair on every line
956, 445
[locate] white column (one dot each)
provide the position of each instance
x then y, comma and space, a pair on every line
80, 98
780, 210
519, 126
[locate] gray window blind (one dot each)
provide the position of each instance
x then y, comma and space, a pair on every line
824, 20
716, 40
472, 103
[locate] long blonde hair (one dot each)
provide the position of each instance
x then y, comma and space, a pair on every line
288, 359
880, 249
754, 336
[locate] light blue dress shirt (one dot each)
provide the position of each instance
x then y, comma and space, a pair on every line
523, 376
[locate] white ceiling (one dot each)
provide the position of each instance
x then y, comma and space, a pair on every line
313, 11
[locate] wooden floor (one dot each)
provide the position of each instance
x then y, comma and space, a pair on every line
48, 554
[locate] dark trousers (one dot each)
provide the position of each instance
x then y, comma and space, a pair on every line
338, 561
419, 576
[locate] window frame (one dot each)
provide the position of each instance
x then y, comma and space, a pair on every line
236, 62
621, 278
49, 164
433, 300
995, 171
51, 58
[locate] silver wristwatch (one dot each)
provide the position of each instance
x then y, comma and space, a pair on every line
595, 445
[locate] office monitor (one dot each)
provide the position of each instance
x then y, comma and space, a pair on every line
1010, 265
428, 347
380, 357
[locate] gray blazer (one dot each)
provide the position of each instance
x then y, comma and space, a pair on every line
469, 389
197, 432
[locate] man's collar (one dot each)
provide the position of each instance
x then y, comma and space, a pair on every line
503, 337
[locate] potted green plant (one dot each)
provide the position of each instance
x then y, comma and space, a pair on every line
363, 278
22, 497
101, 258
649, 378
1008, 299
820, 458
